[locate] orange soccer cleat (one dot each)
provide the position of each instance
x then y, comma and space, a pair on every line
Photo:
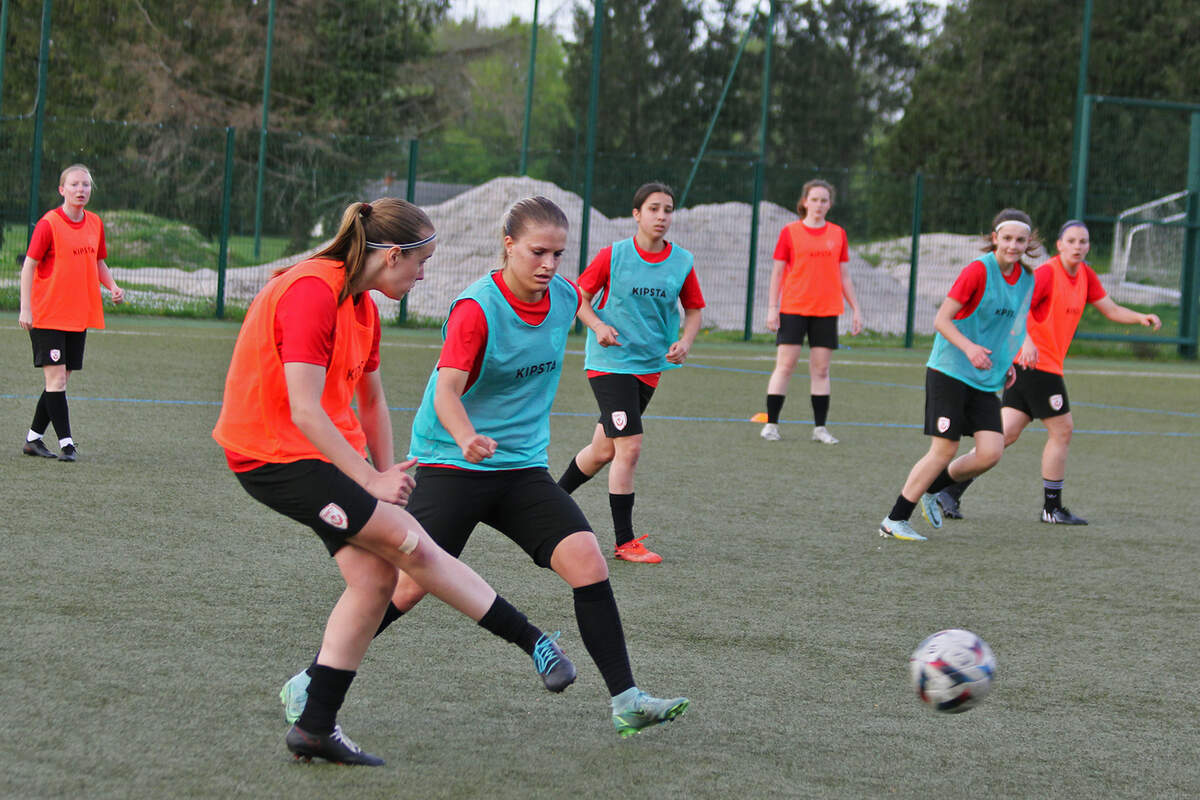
636, 551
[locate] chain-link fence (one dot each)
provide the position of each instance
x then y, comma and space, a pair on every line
164, 190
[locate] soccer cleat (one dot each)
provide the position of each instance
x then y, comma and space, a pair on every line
294, 695
823, 436
556, 669
636, 551
930, 510
37, 448
69, 453
899, 530
645, 712
770, 432
949, 505
1061, 516
336, 748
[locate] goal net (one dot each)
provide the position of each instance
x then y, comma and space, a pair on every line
1148, 250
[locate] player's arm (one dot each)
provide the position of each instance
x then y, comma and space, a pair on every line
447, 402
107, 281
678, 351
943, 323
305, 385
376, 421
773, 300
851, 299
1126, 316
606, 335
25, 318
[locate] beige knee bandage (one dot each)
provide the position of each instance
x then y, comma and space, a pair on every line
411, 539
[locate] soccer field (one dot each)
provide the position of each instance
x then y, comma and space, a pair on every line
153, 609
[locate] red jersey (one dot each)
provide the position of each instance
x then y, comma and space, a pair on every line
968, 288
66, 282
1063, 297
812, 279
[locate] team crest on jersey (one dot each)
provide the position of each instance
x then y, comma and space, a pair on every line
943, 424
1056, 402
55, 354
333, 516
620, 419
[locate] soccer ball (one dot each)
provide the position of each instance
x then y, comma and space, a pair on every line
952, 671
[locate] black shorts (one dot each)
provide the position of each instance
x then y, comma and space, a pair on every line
1038, 394
622, 399
526, 505
822, 331
314, 493
51, 348
953, 409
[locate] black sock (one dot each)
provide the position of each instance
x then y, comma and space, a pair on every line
956, 490
1052, 491
510, 625
56, 407
903, 509
622, 514
573, 477
820, 406
600, 628
774, 406
941, 482
390, 615
326, 693
41, 417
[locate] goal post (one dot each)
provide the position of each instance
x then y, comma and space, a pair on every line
1165, 225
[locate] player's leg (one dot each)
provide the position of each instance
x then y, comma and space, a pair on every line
1015, 417
819, 359
587, 462
787, 355
896, 524
1054, 470
548, 525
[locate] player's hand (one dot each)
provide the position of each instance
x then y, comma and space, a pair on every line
856, 325
1010, 377
677, 353
1028, 356
979, 356
772, 321
25, 319
118, 294
1151, 321
606, 336
392, 485
478, 447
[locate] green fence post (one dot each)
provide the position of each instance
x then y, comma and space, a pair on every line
226, 202
529, 90
1190, 281
1079, 179
752, 269
410, 194
39, 116
589, 170
3, 47
262, 136
914, 259
1080, 143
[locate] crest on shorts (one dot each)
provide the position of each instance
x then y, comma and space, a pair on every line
333, 516
55, 354
620, 419
1056, 402
943, 424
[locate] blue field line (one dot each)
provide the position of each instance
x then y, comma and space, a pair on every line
1104, 406
592, 414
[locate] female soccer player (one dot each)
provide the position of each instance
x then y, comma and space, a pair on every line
633, 336
1063, 285
309, 346
481, 434
60, 299
980, 326
809, 278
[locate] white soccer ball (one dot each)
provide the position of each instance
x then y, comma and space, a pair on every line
952, 670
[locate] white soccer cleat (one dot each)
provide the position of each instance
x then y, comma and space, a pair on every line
823, 436
770, 432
